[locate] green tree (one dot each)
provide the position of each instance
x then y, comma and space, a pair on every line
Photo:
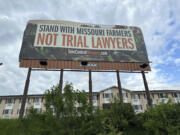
163, 119
73, 110
119, 115
71, 114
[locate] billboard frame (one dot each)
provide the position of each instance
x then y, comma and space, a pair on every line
82, 65
90, 84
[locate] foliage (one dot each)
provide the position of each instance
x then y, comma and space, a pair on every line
9, 127
71, 114
164, 119
117, 118
67, 118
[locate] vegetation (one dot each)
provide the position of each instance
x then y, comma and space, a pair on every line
63, 117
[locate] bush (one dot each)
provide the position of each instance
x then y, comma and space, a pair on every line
67, 119
162, 119
119, 116
10, 127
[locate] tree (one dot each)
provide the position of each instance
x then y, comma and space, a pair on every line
118, 116
71, 114
73, 110
163, 119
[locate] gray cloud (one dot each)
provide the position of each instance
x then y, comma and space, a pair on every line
153, 17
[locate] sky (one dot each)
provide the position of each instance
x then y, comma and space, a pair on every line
158, 20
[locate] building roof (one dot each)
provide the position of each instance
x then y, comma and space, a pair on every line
20, 96
96, 93
142, 91
33, 95
156, 91
114, 87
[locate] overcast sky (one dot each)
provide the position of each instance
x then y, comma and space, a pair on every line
159, 21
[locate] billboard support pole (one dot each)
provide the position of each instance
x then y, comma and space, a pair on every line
119, 86
21, 113
147, 89
90, 88
61, 81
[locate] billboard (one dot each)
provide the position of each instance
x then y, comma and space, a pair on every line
72, 41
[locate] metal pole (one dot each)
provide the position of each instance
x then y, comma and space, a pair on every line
21, 113
147, 89
61, 81
90, 88
119, 86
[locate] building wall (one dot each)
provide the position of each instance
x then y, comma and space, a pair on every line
136, 98
16, 105
115, 95
2, 106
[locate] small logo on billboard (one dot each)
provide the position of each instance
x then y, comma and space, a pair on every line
89, 65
